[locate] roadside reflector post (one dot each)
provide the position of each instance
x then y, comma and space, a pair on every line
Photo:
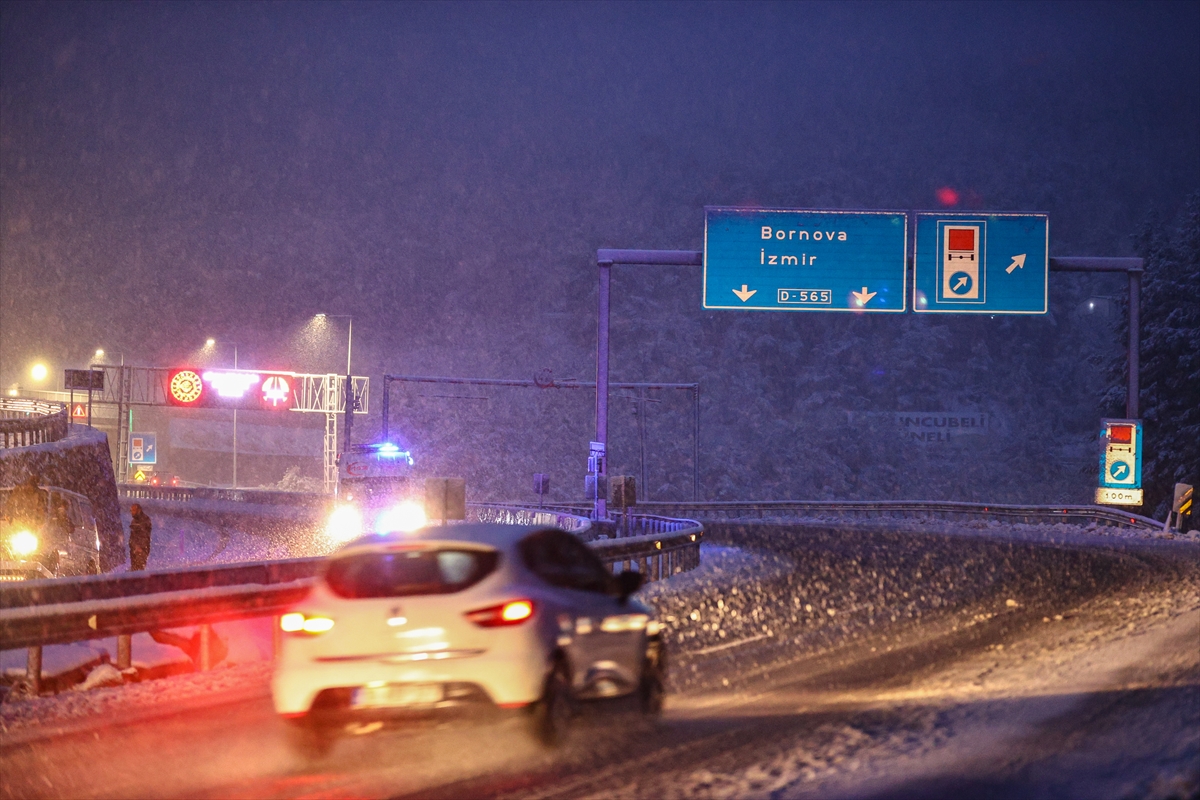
33, 670
1181, 506
124, 651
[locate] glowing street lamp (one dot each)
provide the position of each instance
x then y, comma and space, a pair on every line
100, 354
349, 332
39, 372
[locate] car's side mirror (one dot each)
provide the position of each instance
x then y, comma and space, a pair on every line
628, 582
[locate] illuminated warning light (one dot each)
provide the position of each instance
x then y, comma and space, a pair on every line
1120, 434
231, 388
231, 384
184, 387
276, 392
947, 196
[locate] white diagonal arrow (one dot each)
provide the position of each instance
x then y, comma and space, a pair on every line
1018, 261
746, 293
864, 296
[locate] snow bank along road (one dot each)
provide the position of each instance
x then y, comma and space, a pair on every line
808, 661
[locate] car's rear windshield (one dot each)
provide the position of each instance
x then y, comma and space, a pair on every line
409, 572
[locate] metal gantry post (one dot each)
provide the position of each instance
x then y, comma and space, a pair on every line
605, 259
696, 444
123, 390
329, 395
1135, 300
1133, 267
601, 499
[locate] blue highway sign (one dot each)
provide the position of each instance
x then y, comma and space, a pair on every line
801, 260
142, 448
983, 263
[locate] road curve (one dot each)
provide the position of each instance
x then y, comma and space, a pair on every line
958, 662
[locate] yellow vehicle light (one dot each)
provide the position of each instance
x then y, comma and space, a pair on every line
23, 543
345, 524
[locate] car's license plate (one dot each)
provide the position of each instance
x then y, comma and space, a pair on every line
398, 694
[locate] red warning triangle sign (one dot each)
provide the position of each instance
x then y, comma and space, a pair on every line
79, 411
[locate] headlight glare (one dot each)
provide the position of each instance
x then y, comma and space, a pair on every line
23, 543
345, 524
405, 516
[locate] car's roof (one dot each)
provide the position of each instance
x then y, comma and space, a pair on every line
496, 535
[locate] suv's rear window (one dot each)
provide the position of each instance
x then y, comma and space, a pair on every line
409, 572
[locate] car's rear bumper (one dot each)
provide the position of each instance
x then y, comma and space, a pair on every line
502, 680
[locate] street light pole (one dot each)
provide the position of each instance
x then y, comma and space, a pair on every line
210, 343
235, 366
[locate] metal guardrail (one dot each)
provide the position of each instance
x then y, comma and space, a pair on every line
58, 611
520, 515
656, 556
720, 511
25, 422
187, 494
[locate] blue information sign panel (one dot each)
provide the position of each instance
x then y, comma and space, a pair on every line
982, 263
798, 260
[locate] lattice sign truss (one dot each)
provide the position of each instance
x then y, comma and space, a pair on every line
151, 386
183, 387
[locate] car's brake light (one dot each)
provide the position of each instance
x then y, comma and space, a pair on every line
514, 612
295, 622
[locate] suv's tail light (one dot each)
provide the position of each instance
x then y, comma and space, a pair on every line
514, 612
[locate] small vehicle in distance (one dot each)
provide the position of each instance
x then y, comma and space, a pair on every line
46, 532
519, 617
376, 493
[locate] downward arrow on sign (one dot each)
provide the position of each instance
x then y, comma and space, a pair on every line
864, 296
1018, 261
745, 294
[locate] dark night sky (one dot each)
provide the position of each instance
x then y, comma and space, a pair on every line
444, 172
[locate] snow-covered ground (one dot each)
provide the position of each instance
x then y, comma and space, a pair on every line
806, 662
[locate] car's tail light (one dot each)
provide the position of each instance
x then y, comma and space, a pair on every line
514, 612
296, 622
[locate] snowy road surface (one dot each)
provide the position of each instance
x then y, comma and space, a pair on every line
1037, 662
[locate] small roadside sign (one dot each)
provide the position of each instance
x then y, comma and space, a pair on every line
84, 379
1118, 497
142, 448
1120, 462
1182, 504
79, 411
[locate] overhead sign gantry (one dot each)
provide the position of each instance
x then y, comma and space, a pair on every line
987, 262
259, 390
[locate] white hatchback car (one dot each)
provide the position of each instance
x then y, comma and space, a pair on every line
495, 615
